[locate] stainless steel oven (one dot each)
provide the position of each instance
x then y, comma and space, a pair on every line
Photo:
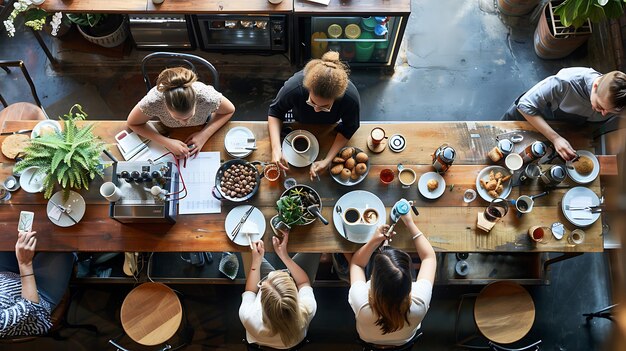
162, 31
256, 33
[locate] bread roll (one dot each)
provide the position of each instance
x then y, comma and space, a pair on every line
347, 153
432, 184
339, 160
361, 157
361, 168
584, 165
495, 154
336, 169
350, 163
345, 174
354, 175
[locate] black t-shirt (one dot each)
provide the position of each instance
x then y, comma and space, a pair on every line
293, 96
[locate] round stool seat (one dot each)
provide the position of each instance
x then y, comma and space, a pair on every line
21, 111
151, 314
504, 312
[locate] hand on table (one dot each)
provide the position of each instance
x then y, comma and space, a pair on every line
178, 148
278, 157
25, 247
195, 143
317, 167
563, 147
258, 253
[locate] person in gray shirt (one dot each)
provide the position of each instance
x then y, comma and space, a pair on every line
575, 95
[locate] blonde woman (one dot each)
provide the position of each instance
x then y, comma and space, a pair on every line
276, 310
319, 94
390, 307
179, 100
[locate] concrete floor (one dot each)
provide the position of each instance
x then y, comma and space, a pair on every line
468, 65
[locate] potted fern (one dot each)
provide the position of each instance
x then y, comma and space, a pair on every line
70, 158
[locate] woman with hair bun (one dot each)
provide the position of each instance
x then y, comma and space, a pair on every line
179, 100
390, 307
319, 94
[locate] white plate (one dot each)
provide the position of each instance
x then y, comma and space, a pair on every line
576, 192
31, 182
585, 179
237, 139
301, 160
75, 203
233, 218
349, 181
423, 188
484, 175
47, 123
359, 199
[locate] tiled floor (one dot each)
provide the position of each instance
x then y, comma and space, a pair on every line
459, 61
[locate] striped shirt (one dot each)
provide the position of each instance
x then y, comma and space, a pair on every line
18, 316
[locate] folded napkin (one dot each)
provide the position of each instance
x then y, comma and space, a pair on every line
250, 227
582, 201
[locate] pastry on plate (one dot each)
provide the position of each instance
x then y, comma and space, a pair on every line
584, 165
432, 184
15, 144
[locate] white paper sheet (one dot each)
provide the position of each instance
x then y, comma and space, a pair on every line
199, 176
578, 202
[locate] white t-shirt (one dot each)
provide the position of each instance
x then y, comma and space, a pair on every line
251, 316
207, 101
421, 292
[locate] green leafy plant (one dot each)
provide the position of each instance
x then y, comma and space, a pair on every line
576, 12
87, 19
70, 158
290, 209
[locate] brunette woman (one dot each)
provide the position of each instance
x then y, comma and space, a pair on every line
319, 94
179, 100
390, 307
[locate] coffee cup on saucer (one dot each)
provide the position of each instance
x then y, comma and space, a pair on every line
377, 141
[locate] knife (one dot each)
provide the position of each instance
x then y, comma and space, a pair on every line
63, 210
21, 131
241, 222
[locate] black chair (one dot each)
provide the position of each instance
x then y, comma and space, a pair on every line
406, 347
173, 59
255, 347
21, 110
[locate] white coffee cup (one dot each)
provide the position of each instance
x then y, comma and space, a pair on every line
275, 2
514, 162
110, 192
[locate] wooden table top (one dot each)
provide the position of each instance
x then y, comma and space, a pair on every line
504, 312
151, 314
449, 223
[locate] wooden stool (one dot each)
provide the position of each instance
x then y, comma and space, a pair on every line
151, 314
504, 312
21, 111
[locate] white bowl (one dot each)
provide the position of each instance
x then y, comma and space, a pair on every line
31, 181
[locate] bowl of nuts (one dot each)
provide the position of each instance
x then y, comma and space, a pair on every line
350, 166
236, 180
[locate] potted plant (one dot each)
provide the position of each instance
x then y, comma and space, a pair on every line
34, 17
516, 7
107, 30
70, 158
566, 25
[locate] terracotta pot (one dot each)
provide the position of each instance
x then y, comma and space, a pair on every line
556, 44
516, 7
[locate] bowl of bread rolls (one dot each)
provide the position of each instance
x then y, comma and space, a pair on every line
350, 166
493, 182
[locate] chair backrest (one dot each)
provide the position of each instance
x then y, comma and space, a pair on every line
6, 65
408, 346
173, 59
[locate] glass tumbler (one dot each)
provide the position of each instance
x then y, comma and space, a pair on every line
497, 209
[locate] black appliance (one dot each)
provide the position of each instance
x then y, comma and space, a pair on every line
162, 31
254, 33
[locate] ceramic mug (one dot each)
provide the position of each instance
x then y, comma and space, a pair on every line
110, 192
524, 204
359, 222
514, 162
378, 135
406, 175
300, 143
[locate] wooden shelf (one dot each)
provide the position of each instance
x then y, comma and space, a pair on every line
94, 6
169, 6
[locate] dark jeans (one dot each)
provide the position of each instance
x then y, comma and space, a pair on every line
52, 272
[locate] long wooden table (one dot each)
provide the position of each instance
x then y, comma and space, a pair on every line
449, 223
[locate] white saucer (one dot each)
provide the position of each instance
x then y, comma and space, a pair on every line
582, 178
47, 123
75, 203
578, 192
359, 199
423, 188
236, 140
301, 160
233, 218
31, 182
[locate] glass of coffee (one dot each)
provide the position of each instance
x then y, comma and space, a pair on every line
351, 215
497, 209
301, 143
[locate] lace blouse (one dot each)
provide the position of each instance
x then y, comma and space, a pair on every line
207, 101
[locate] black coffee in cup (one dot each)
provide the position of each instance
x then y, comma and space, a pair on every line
352, 215
300, 143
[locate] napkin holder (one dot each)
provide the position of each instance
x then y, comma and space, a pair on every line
483, 223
